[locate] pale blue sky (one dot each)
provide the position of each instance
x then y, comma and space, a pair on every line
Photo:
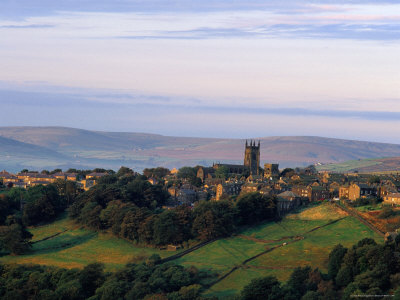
203, 68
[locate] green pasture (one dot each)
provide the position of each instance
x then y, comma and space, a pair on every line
349, 165
71, 246
370, 207
78, 247
313, 250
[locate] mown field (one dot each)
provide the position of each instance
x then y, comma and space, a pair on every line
76, 247
302, 238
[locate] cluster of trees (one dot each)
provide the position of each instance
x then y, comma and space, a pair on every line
158, 172
40, 204
190, 174
14, 238
80, 173
365, 201
129, 206
367, 268
165, 281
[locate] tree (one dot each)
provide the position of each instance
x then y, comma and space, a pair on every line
56, 171
124, 171
254, 207
158, 172
266, 288
386, 212
344, 276
374, 179
298, 283
187, 173
288, 172
91, 277
43, 204
15, 238
222, 172
335, 260
213, 220
166, 229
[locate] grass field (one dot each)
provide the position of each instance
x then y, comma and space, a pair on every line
348, 165
313, 250
78, 247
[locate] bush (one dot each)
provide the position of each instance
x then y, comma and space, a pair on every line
386, 212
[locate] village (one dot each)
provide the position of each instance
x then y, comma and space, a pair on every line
291, 187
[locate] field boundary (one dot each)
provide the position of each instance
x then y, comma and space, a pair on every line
185, 252
355, 214
295, 239
50, 237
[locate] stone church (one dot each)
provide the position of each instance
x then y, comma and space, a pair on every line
251, 164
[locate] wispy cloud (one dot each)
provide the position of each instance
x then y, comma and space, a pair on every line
30, 26
88, 98
302, 20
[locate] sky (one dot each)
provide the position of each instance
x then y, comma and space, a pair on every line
236, 69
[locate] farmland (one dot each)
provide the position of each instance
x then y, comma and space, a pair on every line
76, 247
311, 249
302, 238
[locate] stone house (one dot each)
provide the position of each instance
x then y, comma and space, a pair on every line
361, 190
392, 199
287, 201
227, 189
319, 193
344, 192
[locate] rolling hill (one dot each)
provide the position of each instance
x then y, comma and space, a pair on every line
378, 165
51, 147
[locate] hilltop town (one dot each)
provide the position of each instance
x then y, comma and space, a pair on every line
292, 187
214, 222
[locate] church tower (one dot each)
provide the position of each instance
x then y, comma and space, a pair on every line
252, 157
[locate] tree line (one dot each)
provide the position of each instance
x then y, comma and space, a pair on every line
130, 207
20, 208
365, 269
134, 281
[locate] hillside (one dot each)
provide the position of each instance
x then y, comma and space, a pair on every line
388, 164
51, 147
302, 238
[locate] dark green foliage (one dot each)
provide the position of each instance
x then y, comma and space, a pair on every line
213, 220
312, 295
335, 260
15, 239
374, 179
386, 212
8, 206
132, 282
45, 203
124, 171
288, 172
222, 172
266, 288
158, 173
344, 276
367, 268
255, 207
91, 278
189, 174
130, 207
298, 283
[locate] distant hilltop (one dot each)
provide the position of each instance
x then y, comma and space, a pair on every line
59, 147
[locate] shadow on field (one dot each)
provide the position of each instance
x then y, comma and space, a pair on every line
62, 242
